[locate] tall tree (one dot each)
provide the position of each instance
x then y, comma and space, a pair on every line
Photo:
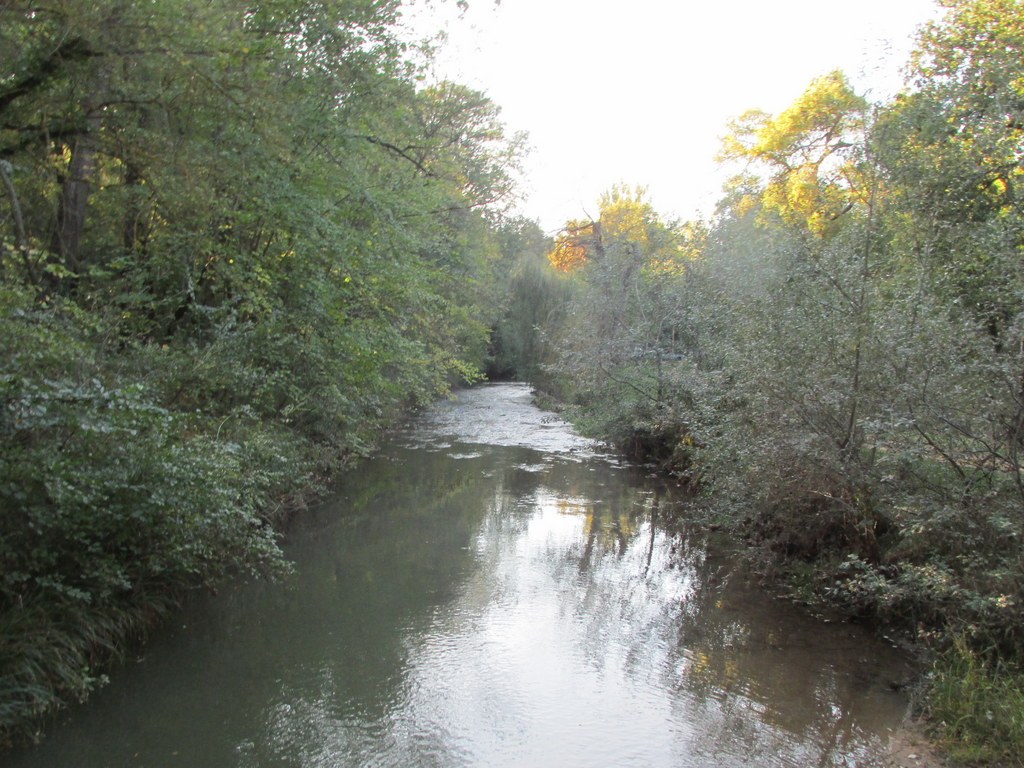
810, 152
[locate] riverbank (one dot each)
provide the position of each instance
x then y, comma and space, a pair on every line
911, 747
965, 711
485, 568
132, 473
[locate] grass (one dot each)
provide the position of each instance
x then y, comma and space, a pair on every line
977, 707
50, 656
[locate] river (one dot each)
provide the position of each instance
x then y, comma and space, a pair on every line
493, 590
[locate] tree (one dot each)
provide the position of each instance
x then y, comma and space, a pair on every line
534, 304
809, 151
622, 346
952, 148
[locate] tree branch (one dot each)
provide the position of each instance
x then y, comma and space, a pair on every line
75, 49
21, 241
403, 153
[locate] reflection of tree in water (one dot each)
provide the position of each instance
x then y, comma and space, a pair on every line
745, 658
441, 546
375, 565
653, 597
607, 528
643, 596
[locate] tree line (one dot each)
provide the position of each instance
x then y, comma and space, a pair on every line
237, 240
836, 357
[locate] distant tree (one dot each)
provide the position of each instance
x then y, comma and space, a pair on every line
624, 337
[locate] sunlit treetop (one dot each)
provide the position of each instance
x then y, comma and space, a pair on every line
621, 214
809, 151
627, 222
627, 214
807, 132
569, 251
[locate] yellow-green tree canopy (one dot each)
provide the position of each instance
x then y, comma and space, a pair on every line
809, 150
627, 222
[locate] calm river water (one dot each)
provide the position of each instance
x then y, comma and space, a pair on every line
491, 591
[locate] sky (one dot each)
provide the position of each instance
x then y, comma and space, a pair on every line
640, 91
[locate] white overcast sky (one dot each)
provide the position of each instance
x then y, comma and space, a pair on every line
640, 91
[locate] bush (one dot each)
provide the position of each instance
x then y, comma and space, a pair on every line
113, 505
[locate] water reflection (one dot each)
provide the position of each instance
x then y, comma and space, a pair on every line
487, 603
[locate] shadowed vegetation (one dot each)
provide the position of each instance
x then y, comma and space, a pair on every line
836, 357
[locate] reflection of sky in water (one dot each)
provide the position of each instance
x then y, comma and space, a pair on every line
493, 605
514, 667
566, 650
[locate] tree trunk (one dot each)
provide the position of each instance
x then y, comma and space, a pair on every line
21, 240
135, 233
76, 186
73, 203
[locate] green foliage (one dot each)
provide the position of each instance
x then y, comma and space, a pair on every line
977, 707
952, 146
236, 242
112, 505
536, 300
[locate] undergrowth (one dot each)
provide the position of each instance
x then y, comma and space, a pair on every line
976, 704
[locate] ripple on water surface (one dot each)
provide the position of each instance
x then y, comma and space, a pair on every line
499, 415
491, 591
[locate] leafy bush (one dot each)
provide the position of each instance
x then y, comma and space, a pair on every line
112, 504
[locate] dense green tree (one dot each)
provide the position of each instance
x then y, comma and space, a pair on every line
535, 301
236, 240
952, 149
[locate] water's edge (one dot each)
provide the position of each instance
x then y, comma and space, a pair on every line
493, 589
